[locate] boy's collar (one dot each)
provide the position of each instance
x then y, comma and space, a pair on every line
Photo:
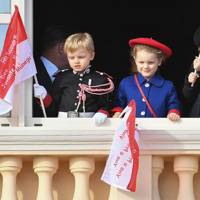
85, 71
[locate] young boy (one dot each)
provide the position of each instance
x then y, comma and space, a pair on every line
154, 96
191, 89
82, 91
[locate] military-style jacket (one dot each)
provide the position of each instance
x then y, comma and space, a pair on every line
66, 91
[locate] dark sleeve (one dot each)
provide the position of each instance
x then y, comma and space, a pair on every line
104, 101
190, 93
173, 101
120, 98
50, 108
57, 89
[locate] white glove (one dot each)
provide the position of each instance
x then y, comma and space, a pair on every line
99, 118
39, 91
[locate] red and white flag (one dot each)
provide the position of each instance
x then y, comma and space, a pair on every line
123, 161
16, 61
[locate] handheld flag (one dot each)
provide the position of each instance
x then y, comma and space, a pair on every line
123, 161
16, 61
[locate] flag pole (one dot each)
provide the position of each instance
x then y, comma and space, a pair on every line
41, 101
123, 112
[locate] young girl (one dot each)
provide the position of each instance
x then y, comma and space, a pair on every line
82, 91
154, 96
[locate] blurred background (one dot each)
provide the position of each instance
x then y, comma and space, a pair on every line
113, 23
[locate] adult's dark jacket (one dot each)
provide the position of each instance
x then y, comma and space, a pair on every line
192, 95
44, 80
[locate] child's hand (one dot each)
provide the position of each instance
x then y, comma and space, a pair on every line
192, 78
116, 115
39, 91
173, 117
196, 63
99, 118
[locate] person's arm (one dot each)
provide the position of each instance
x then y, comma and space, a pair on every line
57, 89
120, 101
190, 91
50, 107
173, 105
104, 103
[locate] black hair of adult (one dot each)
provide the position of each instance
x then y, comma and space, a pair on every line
196, 37
53, 35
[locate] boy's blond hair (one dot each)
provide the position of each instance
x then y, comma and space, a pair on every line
79, 40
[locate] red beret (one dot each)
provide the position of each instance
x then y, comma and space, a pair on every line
153, 43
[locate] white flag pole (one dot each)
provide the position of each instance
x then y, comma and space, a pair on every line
123, 112
41, 101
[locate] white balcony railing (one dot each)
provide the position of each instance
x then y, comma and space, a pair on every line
59, 153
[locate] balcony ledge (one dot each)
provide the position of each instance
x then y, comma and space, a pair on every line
82, 136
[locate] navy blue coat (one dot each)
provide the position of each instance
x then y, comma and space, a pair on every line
160, 93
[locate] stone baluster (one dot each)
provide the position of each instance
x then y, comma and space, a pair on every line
157, 168
81, 168
45, 167
9, 168
186, 167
